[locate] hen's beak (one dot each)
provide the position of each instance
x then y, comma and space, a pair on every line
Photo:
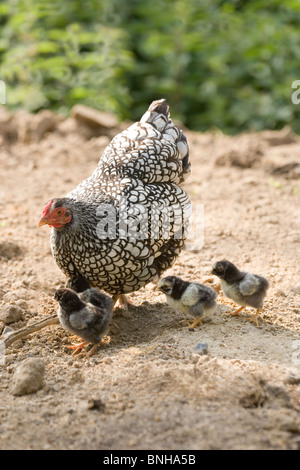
43, 221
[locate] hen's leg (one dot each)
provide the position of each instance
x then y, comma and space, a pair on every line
120, 301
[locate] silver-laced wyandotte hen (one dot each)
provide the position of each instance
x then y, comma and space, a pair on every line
126, 224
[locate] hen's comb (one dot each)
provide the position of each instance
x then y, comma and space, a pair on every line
47, 207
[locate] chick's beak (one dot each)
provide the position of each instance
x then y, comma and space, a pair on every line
158, 287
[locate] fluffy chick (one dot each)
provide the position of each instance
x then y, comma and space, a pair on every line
191, 298
86, 315
78, 284
244, 288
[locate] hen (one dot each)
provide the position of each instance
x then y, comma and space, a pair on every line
124, 225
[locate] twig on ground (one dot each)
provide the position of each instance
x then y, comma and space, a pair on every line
27, 330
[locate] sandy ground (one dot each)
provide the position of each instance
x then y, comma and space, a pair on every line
146, 387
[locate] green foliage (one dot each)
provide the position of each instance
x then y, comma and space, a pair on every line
56, 54
224, 64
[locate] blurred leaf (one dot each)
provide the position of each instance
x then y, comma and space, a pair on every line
226, 64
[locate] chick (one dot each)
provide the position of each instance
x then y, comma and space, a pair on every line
191, 298
86, 315
78, 284
244, 288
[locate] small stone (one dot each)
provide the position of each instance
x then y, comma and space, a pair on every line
94, 118
132, 442
17, 345
28, 377
76, 376
96, 404
296, 289
127, 314
46, 121
280, 293
293, 378
11, 314
287, 422
201, 348
106, 360
14, 295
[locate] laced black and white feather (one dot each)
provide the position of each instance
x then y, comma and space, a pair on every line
141, 170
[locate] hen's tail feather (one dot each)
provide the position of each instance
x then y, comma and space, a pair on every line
160, 107
157, 114
183, 148
152, 150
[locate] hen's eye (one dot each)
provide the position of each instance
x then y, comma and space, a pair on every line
59, 212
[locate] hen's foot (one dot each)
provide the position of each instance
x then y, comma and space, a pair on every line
121, 301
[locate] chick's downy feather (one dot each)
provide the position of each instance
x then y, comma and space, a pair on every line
87, 315
197, 300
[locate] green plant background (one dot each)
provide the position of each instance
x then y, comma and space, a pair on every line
220, 64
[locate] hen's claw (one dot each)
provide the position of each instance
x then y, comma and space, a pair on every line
121, 301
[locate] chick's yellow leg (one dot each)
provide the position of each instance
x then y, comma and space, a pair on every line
196, 322
254, 317
89, 353
193, 324
237, 312
77, 347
